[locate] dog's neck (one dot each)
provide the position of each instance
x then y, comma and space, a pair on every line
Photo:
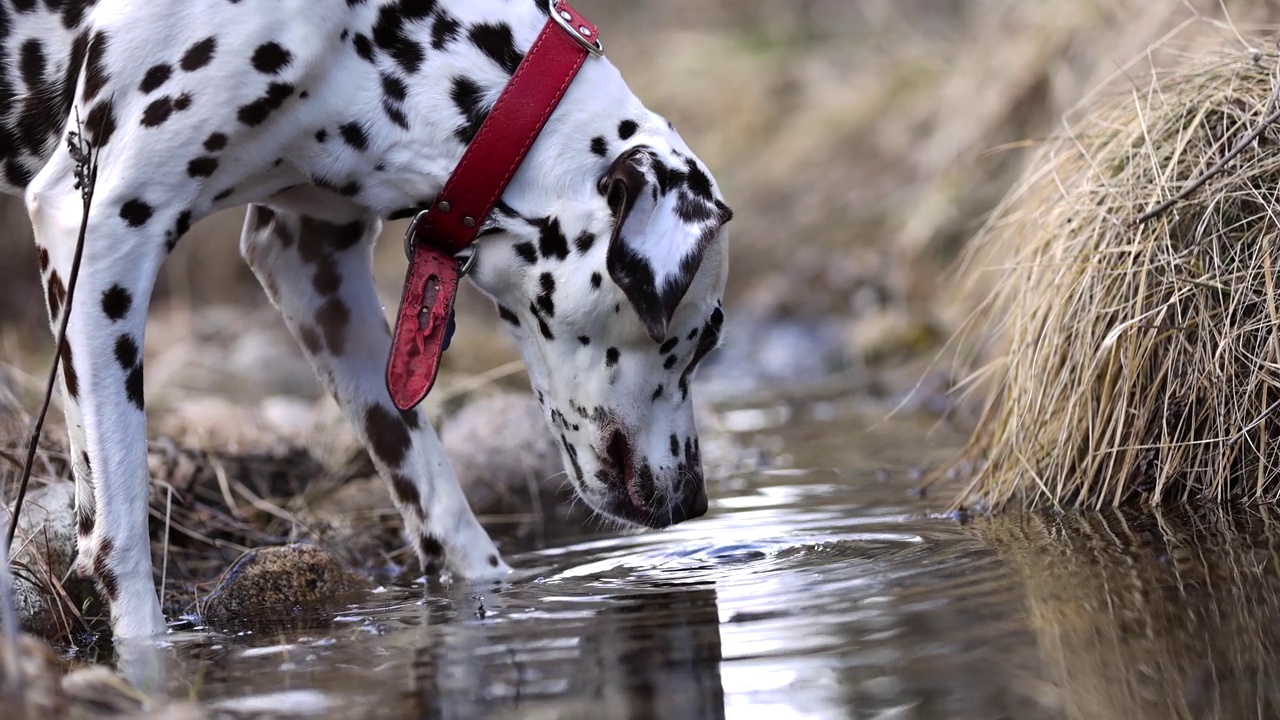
467, 80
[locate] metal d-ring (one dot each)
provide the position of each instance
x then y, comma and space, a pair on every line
467, 263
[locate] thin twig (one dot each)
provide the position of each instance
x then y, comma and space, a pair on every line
86, 178
1273, 114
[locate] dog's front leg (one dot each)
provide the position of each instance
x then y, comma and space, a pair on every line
101, 378
319, 274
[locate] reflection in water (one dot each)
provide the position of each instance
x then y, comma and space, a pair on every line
649, 655
657, 656
1141, 618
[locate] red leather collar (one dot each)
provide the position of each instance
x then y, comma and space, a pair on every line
453, 221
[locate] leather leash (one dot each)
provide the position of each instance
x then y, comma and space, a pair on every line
450, 225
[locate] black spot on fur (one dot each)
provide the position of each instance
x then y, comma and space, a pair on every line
84, 521
69, 376
101, 122
364, 47
551, 240
72, 11
129, 356
105, 576
215, 142
387, 435
572, 452
496, 42
270, 58
95, 73
180, 227
505, 313
699, 183
394, 88
407, 492
116, 302
199, 55
545, 301
156, 76
596, 279
431, 553
545, 329
391, 35
126, 351
354, 135
256, 112
467, 96
599, 146
135, 212
444, 30
527, 252
157, 112
627, 128
396, 115
202, 167
611, 357
32, 63
56, 294
133, 387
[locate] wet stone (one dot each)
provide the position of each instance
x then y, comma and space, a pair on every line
281, 587
42, 554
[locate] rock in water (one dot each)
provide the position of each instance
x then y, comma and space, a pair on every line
43, 551
279, 588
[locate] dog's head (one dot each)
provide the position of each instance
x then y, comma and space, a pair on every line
613, 289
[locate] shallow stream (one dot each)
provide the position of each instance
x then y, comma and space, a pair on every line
818, 586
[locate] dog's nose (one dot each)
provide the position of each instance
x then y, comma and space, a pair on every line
693, 503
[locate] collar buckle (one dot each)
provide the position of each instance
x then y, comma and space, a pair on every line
466, 258
586, 34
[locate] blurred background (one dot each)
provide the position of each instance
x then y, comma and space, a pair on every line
860, 142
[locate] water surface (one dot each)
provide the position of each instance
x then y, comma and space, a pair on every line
818, 586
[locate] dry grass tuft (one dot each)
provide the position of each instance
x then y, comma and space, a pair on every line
1140, 362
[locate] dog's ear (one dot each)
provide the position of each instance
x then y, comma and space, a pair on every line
664, 218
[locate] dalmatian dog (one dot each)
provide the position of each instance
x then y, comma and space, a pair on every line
606, 255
